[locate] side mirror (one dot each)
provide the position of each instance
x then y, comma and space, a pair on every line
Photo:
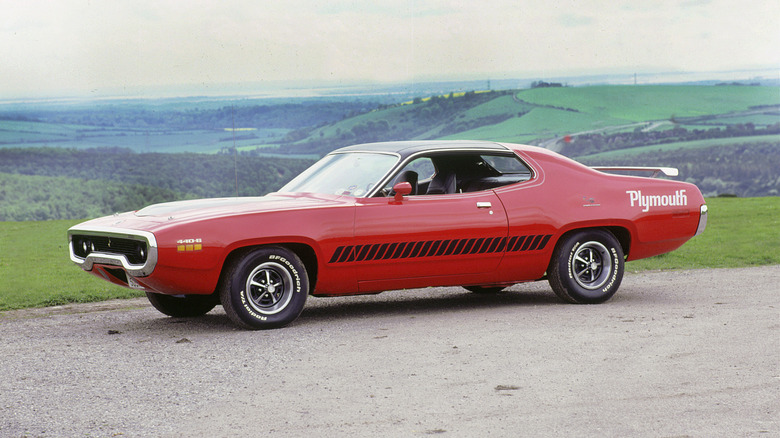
402, 189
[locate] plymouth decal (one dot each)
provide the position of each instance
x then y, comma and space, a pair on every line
647, 201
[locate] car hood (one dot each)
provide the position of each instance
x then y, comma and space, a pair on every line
170, 214
203, 208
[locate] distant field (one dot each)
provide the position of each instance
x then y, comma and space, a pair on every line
35, 269
525, 116
536, 115
652, 102
539, 122
29, 134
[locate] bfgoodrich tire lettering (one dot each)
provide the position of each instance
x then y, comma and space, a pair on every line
265, 288
587, 267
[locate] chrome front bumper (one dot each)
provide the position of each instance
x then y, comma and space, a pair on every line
87, 246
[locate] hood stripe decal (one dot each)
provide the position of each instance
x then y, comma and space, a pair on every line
438, 248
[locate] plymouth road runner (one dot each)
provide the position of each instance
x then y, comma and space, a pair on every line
398, 215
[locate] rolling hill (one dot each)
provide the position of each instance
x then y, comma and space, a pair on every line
724, 138
547, 115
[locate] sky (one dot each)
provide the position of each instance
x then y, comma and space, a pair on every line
101, 47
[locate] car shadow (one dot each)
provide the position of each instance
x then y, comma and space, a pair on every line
215, 321
414, 303
319, 310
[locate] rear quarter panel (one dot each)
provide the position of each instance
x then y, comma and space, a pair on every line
564, 196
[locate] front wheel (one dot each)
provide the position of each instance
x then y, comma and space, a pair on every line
265, 288
587, 267
184, 306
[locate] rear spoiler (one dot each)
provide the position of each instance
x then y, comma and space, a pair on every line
666, 171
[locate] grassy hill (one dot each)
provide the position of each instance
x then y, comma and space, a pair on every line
698, 129
125, 150
548, 114
652, 102
537, 115
538, 123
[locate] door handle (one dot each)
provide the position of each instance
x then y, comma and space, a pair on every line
484, 205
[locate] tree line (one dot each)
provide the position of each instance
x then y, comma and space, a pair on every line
55, 183
586, 144
37, 198
287, 116
743, 170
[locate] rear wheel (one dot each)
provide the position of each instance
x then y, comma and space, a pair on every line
183, 306
265, 288
587, 267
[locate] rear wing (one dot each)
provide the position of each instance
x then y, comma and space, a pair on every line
665, 171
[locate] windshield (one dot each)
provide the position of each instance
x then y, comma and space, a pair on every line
352, 174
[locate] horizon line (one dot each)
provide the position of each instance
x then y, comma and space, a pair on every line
328, 89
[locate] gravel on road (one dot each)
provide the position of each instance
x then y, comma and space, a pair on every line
674, 353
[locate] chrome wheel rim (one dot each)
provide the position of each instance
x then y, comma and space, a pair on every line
591, 265
269, 288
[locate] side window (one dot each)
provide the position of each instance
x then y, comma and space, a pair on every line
506, 164
459, 172
422, 168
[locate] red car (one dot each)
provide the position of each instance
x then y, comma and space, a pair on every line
397, 215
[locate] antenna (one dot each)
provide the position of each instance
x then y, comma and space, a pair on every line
235, 151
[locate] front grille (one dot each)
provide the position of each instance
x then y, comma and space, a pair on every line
135, 251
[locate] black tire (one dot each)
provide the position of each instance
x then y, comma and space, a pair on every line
185, 306
587, 267
264, 288
484, 289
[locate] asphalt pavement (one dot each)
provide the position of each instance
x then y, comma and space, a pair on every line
674, 353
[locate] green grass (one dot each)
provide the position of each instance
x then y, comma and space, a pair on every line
539, 122
499, 106
35, 269
740, 232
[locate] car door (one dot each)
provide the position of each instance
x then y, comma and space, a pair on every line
426, 236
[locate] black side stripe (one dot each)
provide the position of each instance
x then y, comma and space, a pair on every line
438, 248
